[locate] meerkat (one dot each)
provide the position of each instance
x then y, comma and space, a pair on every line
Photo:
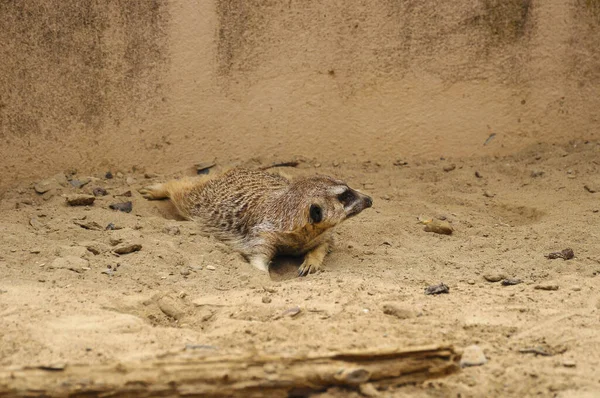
263, 215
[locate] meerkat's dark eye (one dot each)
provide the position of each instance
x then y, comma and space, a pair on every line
346, 197
316, 214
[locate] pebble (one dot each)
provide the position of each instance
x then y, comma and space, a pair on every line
127, 248
369, 390
473, 356
546, 287
266, 299
398, 310
449, 167
210, 267
79, 183
592, 187
511, 282
91, 225
185, 272
172, 230
99, 191
36, 223
108, 175
493, 277
536, 173
48, 184
437, 289
80, 200
130, 181
35, 250
122, 206
488, 194
170, 308
471, 281
438, 226
569, 364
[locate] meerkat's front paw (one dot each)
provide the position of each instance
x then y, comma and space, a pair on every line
309, 266
154, 192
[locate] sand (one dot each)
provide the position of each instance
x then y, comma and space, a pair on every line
66, 297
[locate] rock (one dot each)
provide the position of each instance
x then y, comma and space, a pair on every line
48, 184
79, 183
397, 310
130, 181
210, 267
566, 254
113, 240
473, 356
536, 173
494, 277
547, 286
95, 247
488, 194
80, 200
172, 230
471, 281
478, 174
36, 223
437, 289
99, 191
449, 167
122, 206
35, 250
438, 226
71, 263
108, 175
171, 308
592, 187
91, 225
511, 282
289, 313
185, 271
127, 248
266, 299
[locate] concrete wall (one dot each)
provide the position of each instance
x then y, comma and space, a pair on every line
162, 84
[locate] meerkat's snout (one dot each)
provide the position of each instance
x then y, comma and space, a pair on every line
354, 202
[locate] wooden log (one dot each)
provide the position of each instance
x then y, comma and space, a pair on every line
187, 374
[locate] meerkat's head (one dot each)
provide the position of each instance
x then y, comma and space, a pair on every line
326, 201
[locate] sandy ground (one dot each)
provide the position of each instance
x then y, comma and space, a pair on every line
66, 298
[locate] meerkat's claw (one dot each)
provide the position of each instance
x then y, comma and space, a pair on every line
154, 192
307, 268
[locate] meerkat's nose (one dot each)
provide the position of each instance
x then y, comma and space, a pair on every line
368, 201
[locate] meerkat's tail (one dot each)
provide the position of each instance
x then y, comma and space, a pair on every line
179, 191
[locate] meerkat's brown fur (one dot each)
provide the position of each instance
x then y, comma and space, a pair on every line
263, 214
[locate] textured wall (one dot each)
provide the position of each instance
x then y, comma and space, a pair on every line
159, 85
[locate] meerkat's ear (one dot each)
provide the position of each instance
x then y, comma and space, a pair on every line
316, 214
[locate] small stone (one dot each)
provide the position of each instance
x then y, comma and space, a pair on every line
511, 282
122, 206
51, 183
536, 173
494, 277
127, 248
94, 248
170, 308
130, 181
36, 223
335, 163
91, 225
80, 200
487, 194
449, 167
478, 175
119, 174
150, 175
108, 175
547, 286
111, 227
185, 271
592, 187
79, 183
565, 254
567, 363
113, 240
266, 299
290, 312
398, 310
473, 356
172, 230
438, 226
210, 267
471, 281
99, 191
35, 250
437, 289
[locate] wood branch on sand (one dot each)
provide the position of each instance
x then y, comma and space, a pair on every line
188, 374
